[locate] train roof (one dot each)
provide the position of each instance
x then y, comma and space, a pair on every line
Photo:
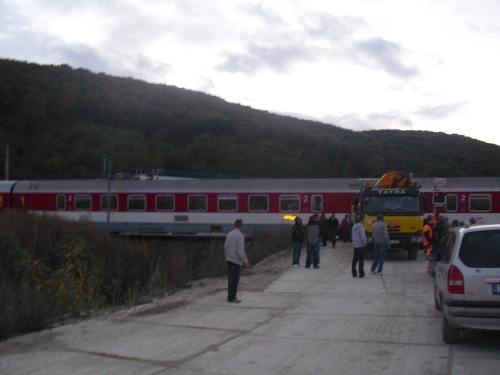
6, 186
459, 183
179, 185
237, 185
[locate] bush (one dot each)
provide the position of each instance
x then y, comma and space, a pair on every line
51, 269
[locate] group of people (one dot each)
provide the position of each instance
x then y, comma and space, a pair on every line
315, 237
434, 228
316, 233
381, 243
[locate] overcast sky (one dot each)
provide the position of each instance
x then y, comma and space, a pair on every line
359, 64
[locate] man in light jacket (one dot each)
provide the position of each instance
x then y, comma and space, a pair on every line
234, 248
359, 241
381, 243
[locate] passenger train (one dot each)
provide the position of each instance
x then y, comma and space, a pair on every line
210, 206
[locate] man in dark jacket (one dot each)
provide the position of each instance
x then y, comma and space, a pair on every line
298, 235
323, 229
333, 227
312, 236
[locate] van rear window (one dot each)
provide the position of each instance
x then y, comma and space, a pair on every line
481, 249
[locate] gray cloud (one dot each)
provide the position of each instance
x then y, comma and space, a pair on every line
386, 55
82, 56
259, 57
149, 67
325, 26
441, 111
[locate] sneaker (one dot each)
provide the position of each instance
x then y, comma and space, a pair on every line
373, 272
235, 301
364, 277
380, 274
296, 265
317, 267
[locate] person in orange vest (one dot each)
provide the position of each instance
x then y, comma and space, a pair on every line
428, 238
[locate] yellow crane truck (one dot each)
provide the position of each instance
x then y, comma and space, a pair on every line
398, 198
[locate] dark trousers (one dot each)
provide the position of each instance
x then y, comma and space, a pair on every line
312, 255
358, 258
333, 237
233, 279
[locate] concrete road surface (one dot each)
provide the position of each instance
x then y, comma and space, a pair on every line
308, 321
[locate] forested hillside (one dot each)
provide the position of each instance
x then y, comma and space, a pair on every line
58, 121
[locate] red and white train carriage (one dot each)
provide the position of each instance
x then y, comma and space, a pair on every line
202, 206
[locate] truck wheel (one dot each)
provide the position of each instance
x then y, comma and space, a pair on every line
413, 253
450, 334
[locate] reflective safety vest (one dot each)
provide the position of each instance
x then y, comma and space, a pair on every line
427, 235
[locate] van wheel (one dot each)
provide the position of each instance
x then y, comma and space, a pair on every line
450, 334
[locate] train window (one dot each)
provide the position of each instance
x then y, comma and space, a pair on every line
165, 202
480, 202
136, 202
61, 202
83, 202
316, 203
258, 203
289, 203
451, 203
197, 203
227, 203
113, 202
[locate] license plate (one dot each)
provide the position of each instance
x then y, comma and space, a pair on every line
496, 288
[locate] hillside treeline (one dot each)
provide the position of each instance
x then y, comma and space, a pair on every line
59, 121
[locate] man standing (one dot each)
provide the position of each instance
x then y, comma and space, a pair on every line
297, 240
344, 229
234, 248
313, 240
359, 242
333, 227
381, 242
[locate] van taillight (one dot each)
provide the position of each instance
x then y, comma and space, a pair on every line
455, 281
